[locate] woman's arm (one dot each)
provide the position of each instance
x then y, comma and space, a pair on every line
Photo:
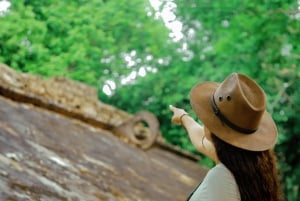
195, 132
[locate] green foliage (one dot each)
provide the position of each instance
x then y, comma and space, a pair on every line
74, 38
95, 41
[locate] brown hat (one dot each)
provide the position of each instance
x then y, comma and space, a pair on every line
235, 111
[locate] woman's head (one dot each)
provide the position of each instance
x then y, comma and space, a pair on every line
235, 111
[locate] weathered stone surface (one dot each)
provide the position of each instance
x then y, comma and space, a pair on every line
79, 101
73, 99
61, 94
59, 142
47, 156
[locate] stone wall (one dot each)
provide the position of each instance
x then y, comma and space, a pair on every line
80, 101
72, 97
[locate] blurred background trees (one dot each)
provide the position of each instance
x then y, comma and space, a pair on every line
145, 55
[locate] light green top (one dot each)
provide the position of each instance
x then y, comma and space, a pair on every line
218, 185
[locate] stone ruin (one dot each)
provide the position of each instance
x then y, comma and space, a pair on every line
59, 142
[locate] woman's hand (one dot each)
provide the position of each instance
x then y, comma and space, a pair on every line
178, 113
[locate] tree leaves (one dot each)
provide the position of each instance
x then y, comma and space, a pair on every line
117, 46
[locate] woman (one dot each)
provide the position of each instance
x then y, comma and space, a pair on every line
239, 135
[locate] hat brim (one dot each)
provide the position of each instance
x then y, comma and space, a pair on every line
262, 139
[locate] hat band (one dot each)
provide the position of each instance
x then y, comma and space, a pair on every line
224, 120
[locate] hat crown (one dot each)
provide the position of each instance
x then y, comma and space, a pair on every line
241, 101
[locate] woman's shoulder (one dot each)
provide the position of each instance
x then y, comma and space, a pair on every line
220, 176
219, 184
220, 171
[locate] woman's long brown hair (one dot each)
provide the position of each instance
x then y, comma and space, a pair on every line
255, 172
